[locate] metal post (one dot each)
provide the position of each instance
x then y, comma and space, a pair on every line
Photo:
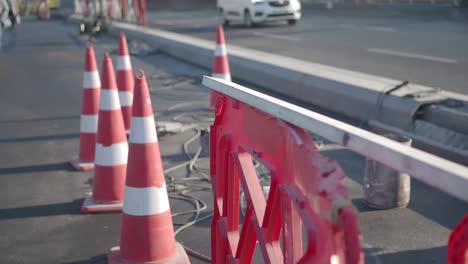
384, 187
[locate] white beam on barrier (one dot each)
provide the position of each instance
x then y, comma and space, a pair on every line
442, 174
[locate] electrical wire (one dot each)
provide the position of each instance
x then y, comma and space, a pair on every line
197, 254
183, 189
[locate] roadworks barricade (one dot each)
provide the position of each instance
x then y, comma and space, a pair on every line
306, 189
306, 192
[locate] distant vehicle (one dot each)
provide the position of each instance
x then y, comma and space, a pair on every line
252, 12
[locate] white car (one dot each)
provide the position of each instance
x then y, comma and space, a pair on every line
252, 12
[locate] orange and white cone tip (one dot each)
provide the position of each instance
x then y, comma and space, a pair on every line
147, 230
221, 63
111, 149
221, 68
125, 80
89, 113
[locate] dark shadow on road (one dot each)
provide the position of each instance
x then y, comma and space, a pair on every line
40, 138
427, 256
36, 168
236, 27
71, 208
436, 205
351, 163
181, 5
101, 259
184, 30
360, 206
56, 118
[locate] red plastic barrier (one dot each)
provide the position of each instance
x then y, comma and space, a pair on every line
458, 243
140, 12
306, 191
85, 7
123, 8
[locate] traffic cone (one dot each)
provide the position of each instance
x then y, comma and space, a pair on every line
220, 63
125, 81
147, 231
111, 149
89, 113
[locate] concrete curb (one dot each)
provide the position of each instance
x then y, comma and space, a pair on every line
355, 95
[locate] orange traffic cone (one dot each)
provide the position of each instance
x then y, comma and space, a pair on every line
111, 149
125, 81
89, 113
147, 231
220, 63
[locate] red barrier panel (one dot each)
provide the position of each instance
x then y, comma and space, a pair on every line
458, 243
140, 12
306, 191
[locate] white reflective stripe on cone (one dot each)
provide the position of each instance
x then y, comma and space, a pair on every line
109, 100
220, 50
224, 76
126, 98
89, 123
113, 155
143, 130
145, 201
91, 80
123, 63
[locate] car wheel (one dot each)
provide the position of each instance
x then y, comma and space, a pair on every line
292, 22
223, 18
247, 19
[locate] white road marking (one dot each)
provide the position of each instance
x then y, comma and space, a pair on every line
384, 29
412, 55
261, 34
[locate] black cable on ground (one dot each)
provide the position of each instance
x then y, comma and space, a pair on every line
182, 188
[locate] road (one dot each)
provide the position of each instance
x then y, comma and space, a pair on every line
40, 99
429, 47
40, 196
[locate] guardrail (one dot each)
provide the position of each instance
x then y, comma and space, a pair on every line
392, 103
251, 124
442, 174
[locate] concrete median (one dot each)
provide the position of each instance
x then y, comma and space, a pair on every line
361, 97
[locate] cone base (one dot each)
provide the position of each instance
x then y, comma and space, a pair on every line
90, 206
113, 257
79, 165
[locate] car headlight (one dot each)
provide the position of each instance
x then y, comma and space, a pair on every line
297, 6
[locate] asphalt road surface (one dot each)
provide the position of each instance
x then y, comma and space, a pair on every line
40, 196
423, 45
